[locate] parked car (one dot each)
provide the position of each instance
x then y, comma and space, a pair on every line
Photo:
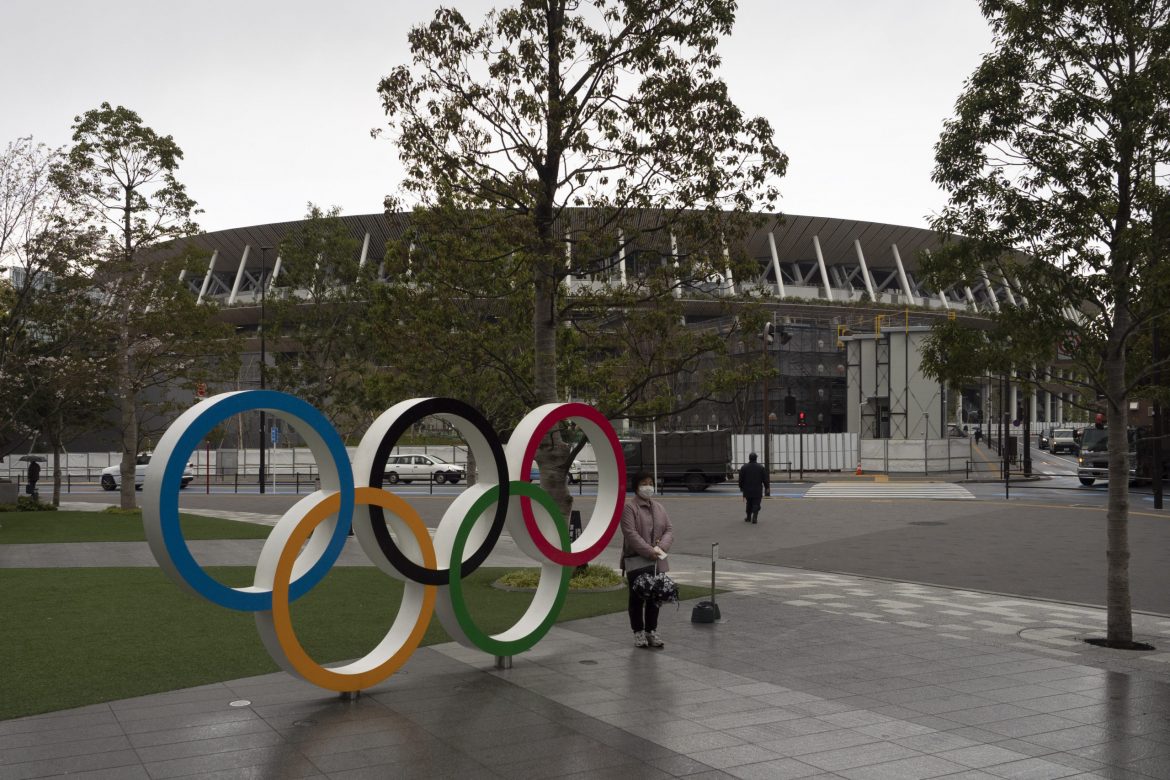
112, 476
1064, 440
408, 468
956, 432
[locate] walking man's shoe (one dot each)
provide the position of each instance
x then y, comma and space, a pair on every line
653, 640
640, 639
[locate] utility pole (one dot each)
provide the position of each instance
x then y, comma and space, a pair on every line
263, 362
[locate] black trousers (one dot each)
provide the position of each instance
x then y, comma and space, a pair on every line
643, 614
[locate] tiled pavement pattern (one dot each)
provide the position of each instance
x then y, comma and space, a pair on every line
809, 675
944, 490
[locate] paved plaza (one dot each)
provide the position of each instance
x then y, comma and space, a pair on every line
809, 675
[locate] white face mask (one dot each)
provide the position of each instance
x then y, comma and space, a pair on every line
646, 491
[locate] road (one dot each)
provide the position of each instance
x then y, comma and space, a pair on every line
1047, 540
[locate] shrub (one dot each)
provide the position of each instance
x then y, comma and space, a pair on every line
593, 577
27, 504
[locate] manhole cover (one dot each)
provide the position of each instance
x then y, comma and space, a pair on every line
239, 703
927, 522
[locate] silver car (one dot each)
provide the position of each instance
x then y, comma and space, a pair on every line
408, 468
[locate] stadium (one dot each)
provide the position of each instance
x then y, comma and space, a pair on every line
845, 297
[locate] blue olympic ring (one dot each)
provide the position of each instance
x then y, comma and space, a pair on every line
192, 432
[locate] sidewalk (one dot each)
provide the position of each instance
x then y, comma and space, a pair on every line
808, 675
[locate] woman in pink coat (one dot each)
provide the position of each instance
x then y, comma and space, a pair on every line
646, 532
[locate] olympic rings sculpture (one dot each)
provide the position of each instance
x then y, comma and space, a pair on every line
309, 537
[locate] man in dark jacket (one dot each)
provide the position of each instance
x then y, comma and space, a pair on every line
753, 483
34, 474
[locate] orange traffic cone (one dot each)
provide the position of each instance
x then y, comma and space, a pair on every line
859, 468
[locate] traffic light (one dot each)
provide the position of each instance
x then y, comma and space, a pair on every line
789, 405
801, 421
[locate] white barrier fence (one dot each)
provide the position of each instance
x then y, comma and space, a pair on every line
843, 452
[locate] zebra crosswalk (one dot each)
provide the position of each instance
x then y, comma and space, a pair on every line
942, 490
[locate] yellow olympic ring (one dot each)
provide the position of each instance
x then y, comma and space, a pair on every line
401, 640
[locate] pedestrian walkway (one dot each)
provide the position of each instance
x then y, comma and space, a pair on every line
943, 490
809, 674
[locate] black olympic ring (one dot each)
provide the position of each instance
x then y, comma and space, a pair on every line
462, 411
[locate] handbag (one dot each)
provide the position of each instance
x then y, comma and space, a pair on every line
636, 563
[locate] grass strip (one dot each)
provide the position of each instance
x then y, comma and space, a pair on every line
81, 636
57, 527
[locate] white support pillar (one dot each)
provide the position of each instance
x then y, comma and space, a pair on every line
905, 280
207, 278
622, 256
824, 272
990, 290
1007, 288
275, 273
1023, 297
776, 263
864, 270
727, 269
677, 288
970, 298
365, 251
239, 274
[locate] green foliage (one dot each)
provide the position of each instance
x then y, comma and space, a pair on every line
593, 577
24, 504
1048, 165
318, 315
504, 130
122, 176
1051, 164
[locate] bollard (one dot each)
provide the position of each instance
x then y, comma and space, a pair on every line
503, 662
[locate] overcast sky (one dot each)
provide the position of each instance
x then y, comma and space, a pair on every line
272, 101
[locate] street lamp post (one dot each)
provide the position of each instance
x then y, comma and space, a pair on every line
263, 362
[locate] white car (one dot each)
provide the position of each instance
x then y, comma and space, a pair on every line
112, 476
408, 468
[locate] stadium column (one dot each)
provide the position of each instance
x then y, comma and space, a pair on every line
207, 278
365, 251
864, 270
905, 280
239, 274
727, 269
821, 265
622, 256
674, 257
776, 263
990, 290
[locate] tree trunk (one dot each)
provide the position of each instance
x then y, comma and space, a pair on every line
55, 440
1117, 597
129, 425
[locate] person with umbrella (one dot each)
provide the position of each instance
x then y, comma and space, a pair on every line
34, 473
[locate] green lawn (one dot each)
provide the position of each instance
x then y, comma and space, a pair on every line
53, 527
80, 636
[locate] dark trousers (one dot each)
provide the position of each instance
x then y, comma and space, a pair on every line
643, 614
753, 507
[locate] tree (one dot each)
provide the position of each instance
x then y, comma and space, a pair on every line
609, 105
319, 319
46, 246
123, 174
1050, 165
